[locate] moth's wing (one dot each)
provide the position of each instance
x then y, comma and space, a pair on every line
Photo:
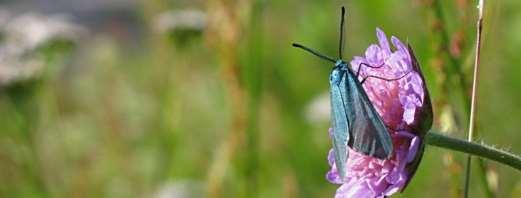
369, 135
340, 124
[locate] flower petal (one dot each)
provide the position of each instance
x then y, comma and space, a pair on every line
374, 55
382, 40
400, 48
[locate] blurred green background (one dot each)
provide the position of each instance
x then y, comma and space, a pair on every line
192, 98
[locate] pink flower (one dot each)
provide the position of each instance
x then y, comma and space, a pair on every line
404, 106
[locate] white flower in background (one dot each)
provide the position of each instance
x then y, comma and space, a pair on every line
175, 20
180, 189
22, 35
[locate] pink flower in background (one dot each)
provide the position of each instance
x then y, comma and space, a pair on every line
404, 106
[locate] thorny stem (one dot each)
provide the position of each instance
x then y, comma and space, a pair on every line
470, 135
473, 148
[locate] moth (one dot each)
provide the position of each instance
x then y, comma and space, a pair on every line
355, 122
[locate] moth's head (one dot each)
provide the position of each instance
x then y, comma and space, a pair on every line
336, 75
340, 64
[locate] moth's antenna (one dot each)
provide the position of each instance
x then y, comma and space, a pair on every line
314, 52
341, 43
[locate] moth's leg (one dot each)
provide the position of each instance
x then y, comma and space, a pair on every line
367, 65
386, 79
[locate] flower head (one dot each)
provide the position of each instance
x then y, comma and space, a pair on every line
404, 105
23, 35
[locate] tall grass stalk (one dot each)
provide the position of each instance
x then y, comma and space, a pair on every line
470, 134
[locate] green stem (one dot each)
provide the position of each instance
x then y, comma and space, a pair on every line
477, 149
